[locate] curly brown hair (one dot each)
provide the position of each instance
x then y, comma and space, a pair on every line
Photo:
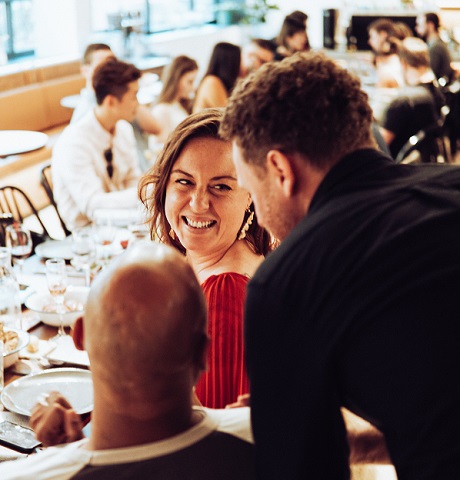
305, 104
152, 186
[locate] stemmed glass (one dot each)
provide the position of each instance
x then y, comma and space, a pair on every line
84, 251
104, 235
56, 278
19, 240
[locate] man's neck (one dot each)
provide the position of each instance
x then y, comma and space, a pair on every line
107, 121
112, 429
432, 36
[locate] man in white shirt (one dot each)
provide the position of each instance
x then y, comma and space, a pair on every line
144, 123
94, 161
145, 333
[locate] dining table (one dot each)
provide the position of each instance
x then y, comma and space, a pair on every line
28, 364
13, 142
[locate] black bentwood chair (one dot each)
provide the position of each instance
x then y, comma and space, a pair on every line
14, 201
47, 184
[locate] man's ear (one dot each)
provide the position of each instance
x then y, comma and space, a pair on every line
78, 334
281, 169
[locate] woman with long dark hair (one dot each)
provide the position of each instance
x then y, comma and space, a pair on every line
220, 78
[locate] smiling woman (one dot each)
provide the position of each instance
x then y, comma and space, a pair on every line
198, 207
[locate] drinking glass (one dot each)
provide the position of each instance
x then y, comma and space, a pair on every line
84, 251
19, 240
104, 235
56, 279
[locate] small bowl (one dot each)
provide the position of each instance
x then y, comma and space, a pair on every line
75, 298
13, 356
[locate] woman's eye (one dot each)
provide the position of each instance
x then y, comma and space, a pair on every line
222, 187
183, 181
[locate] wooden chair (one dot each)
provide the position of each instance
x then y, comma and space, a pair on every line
46, 181
13, 200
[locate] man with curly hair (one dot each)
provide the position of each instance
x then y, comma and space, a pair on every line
357, 307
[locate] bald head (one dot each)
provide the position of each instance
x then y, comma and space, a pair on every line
145, 323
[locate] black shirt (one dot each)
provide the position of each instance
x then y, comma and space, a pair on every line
414, 109
359, 307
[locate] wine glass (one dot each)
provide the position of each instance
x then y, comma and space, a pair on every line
19, 240
104, 235
84, 251
56, 279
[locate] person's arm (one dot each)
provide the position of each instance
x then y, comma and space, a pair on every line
55, 422
367, 443
146, 121
211, 93
387, 135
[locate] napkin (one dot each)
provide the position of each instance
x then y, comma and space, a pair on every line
66, 352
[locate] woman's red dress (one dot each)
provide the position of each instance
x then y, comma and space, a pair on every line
226, 376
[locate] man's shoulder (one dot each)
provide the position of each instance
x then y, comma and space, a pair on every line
233, 421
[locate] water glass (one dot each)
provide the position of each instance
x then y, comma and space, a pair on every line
84, 251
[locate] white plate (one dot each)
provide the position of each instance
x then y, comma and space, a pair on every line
23, 340
74, 384
24, 292
55, 249
38, 300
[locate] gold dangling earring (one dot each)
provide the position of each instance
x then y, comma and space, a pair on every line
246, 225
172, 234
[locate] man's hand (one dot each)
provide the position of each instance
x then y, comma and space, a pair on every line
242, 401
54, 421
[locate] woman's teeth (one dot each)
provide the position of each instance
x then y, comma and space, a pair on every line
194, 224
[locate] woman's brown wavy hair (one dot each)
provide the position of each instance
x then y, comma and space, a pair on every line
152, 186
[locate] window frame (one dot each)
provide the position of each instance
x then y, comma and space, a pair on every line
10, 50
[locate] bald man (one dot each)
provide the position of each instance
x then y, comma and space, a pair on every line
145, 333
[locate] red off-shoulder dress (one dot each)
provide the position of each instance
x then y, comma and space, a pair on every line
226, 377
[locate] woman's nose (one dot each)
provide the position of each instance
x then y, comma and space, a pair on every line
199, 201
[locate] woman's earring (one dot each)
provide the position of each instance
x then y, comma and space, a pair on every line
172, 234
246, 226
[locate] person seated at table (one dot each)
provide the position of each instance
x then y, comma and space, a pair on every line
144, 123
197, 207
292, 37
145, 333
427, 27
94, 163
220, 77
174, 103
255, 54
419, 104
382, 40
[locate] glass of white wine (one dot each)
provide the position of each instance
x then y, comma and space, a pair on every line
19, 240
56, 278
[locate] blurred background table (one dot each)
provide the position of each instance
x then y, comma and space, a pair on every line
13, 142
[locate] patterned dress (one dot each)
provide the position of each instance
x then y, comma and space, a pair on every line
226, 377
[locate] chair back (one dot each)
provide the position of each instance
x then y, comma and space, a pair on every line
13, 200
46, 181
430, 143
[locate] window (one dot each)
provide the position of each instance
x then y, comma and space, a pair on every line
16, 28
152, 15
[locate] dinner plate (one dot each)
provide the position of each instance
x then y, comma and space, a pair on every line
55, 249
74, 384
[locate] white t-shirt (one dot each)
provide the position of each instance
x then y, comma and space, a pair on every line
219, 447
